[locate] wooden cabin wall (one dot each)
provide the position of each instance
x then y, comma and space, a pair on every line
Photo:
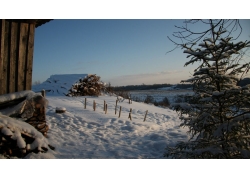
16, 55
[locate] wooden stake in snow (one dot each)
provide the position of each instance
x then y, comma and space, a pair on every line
145, 115
104, 104
129, 116
43, 93
120, 111
94, 105
85, 102
116, 105
106, 108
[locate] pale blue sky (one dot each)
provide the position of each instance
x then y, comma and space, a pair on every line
123, 52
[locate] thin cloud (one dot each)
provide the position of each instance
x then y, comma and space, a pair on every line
174, 76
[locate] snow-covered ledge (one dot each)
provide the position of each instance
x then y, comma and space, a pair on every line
27, 106
16, 95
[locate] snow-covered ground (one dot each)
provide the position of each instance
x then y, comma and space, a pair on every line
81, 133
85, 133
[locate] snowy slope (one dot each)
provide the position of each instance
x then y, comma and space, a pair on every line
58, 84
87, 134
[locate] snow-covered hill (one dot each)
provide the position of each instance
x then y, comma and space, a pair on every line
87, 134
58, 84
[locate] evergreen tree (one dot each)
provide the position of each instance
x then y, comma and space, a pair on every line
218, 116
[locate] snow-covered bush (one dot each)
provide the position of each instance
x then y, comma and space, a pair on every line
90, 85
218, 119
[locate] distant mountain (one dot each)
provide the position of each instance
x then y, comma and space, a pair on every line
58, 84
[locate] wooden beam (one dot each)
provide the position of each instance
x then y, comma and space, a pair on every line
6, 58
30, 51
2, 33
8, 104
23, 39
13, 56
16, 55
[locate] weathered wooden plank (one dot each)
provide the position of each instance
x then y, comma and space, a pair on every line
11, 103
30, 50
13, 56
23, 39
2, 33
6, 59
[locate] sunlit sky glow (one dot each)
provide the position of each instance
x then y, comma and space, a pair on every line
124, 44
123, 52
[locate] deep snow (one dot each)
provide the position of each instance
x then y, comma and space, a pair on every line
87, 134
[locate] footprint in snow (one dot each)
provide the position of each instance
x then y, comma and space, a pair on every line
156, 137
84, 124
112, 120
94, 124
78, 122
90, 126
121, 121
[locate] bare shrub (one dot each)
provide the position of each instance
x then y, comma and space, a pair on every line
149, 99
164, 103
124, 94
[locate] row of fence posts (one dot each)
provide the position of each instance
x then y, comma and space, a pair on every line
105, 108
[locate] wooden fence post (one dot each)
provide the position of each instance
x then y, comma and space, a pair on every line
104, 104
116, 106
106, 108
130, 112
43, 93
44, 108
120, 111
94, 105
85, 102
145, 115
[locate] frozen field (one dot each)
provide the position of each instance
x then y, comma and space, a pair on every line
159, 94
